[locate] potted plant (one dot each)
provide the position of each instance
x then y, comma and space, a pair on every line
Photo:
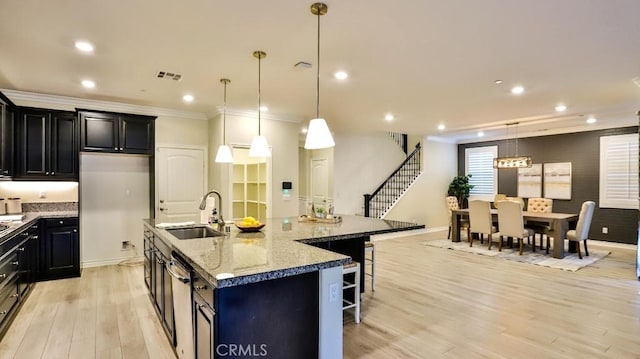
319, 212
460, 187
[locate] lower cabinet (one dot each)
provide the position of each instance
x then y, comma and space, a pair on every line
203, 319
157, 254
60, 249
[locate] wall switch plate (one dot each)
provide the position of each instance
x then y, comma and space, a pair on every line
605, 230
125, 245
333, 292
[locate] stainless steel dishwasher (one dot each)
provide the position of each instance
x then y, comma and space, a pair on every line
181, 285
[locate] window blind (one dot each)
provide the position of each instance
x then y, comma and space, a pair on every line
479, 164
619, 171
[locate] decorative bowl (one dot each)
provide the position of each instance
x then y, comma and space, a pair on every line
244, 228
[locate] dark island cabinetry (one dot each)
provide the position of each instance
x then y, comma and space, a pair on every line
116, 133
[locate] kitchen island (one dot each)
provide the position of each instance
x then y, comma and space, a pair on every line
276, 291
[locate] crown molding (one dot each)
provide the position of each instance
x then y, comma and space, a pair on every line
254, 114
74, 102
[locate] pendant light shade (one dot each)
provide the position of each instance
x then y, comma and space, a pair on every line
512, 161
318, 133
259, 146
224, 152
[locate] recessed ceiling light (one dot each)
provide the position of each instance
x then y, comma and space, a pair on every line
84, 46
561, 108
389, 117
264, 109
188, 98
341, 75
480, 134
591, 120
517, 90
441, 127
88, 84
497, 82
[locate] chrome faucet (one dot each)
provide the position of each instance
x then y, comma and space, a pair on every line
203, 205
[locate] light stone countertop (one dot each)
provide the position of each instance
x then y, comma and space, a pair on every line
277, 251
31, 217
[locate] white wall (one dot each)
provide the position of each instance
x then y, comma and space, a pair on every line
424, 202
282, 136
114, 194
361, 163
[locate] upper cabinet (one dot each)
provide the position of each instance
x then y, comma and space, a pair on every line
47, 145
6, 138
116, 133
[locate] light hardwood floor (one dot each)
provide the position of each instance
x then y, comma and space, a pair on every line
429, 303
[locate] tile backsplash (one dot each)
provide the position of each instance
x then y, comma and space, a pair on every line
49, 206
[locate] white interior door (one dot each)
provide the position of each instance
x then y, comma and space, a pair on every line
319, 181
181, 182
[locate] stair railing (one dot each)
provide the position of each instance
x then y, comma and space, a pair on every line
378, 202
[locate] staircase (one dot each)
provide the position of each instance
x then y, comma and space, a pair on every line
400, 139
378, 203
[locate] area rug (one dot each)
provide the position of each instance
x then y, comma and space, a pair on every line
570, 262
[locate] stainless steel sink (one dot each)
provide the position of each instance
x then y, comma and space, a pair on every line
194, 232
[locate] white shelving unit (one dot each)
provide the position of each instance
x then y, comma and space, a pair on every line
249, 185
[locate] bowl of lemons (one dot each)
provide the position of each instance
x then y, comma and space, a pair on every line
249, 224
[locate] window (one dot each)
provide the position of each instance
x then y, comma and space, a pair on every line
619, 171
479, 164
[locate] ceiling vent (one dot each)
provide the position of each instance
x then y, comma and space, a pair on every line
302, 65
169, 75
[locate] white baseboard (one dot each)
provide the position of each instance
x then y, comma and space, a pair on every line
594, 242
385, 236
110, 262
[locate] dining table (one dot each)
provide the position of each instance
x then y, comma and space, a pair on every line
558, 222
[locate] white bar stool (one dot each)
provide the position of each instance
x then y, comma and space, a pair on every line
352, 268
370, 248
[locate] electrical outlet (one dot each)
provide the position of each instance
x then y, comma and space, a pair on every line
334, 289
605, 230
125, 245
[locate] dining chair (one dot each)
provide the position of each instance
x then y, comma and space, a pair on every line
539, 205
497, 198
452, 205
511, 223
480, 221
582, 228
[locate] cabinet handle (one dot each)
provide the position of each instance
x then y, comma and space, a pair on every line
34, 237
75, 231
61, 222
53, 173
34, 227
3, 275
115, 148
24, 234
3, 312
15, 263
21, 249
46, 173
200, 287
14, 295
121, 149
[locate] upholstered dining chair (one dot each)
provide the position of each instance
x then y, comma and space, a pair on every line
497, 198
539, 205
511, 223
452, 205
480, 221
582, 228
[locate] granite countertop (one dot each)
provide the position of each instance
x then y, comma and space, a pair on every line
30, 218
277, 251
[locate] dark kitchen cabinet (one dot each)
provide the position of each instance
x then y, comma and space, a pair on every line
28, 259
203, 318
6, 138
116, 133
60, 249
47, 145
158, 280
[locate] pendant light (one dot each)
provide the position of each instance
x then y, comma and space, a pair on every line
318, 134
514, 161
259, 146
224, 152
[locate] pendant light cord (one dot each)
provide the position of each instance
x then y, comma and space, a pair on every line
224, 115
259, 105
318, 71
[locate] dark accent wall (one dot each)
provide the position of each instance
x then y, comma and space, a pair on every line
582, 149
